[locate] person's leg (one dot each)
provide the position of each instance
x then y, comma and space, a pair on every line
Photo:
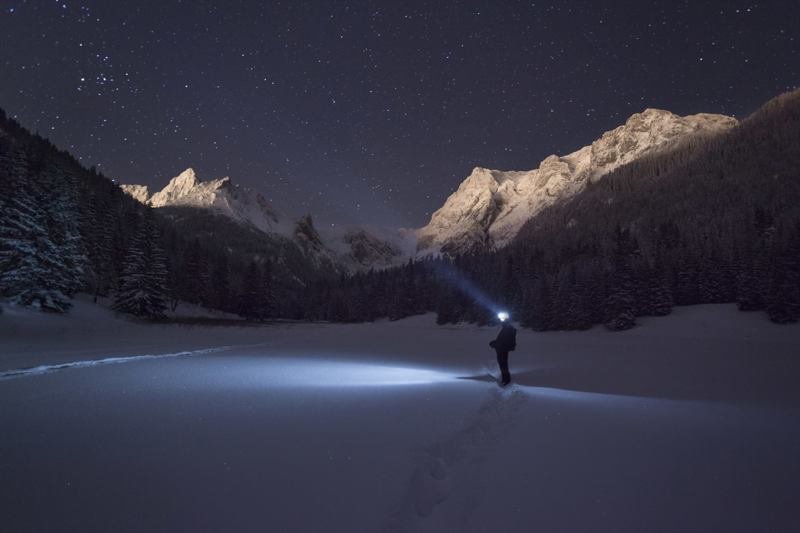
502, 358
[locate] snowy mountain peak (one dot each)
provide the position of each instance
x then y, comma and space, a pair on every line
480, 175
490, 206
221, 195
186, 179
187, 189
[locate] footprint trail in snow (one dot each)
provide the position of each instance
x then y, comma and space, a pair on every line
451, 468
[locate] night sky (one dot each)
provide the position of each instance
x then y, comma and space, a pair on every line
372, 111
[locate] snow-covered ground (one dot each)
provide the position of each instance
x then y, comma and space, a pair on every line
687, 423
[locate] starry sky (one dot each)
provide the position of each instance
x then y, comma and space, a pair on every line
372, 111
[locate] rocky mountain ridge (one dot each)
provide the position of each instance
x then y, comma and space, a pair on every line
239, 203
486, 211
490, 206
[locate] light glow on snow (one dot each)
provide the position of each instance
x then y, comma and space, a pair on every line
326, 373
313, 371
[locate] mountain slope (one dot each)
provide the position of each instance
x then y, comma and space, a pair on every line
490, 206
706, 185
714, 220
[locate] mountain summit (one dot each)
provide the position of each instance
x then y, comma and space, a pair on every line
490, 206
221, 195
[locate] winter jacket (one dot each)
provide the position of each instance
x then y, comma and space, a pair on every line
506, 340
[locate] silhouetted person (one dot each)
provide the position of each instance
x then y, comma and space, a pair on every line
505, 342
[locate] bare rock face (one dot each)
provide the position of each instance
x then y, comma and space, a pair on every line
366, 250
307, 234
140, 193
490, 206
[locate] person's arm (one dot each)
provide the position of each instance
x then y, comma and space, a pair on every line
497, 340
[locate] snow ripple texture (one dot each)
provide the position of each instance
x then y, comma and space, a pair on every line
453, 466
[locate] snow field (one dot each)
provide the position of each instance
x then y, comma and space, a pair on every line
687, 423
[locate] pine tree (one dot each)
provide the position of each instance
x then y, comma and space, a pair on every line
596, 287
29, 261
577, 314
32, 271
221, 283
538, 312
337, 310
750, 282
686, 284
784, 294
100, 231
621, 301
712, 280
143, 290
268, 305
445, 308
190, 269
660, 294
248, 301
63, 216
255, 300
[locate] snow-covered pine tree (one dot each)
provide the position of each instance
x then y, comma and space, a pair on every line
99, 224
32, 271
63, 218
143, 290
